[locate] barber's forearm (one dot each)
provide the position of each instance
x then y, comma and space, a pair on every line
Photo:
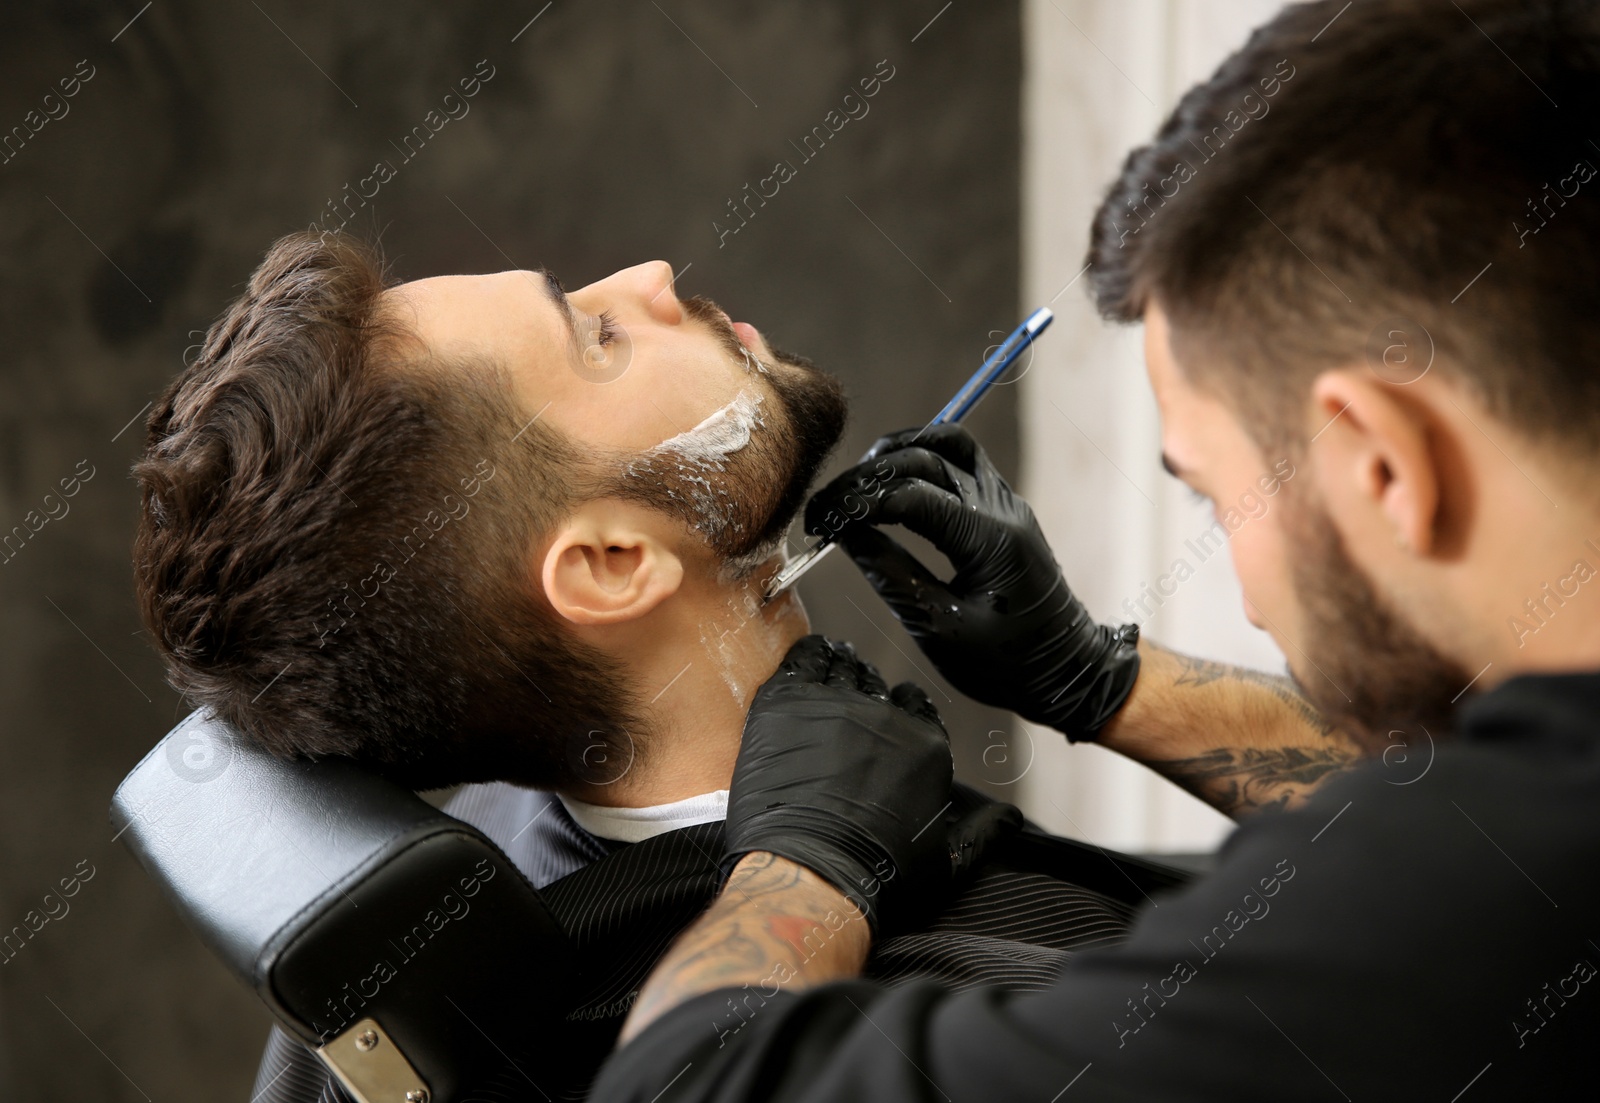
776, 925
1236, 738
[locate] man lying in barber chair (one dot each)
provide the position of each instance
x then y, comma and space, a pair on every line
407, 525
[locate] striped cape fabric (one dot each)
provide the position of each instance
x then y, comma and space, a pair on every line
1027, 911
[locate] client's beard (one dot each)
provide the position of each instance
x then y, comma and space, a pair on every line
743, 502
1398, 683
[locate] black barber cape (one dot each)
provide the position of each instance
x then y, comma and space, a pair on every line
1027, 913
1425, 928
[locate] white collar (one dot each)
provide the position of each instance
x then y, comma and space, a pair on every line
634, 825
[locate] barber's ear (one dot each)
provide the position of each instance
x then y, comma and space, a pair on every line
610, 562
1373, 451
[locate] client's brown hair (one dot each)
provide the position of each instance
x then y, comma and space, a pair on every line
333, 549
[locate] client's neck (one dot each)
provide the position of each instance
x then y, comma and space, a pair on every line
695, 673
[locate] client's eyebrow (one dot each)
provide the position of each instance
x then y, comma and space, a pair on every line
558, 298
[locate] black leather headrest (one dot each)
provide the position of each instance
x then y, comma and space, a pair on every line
339, 897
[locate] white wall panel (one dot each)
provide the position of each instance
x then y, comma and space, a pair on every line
1099, 77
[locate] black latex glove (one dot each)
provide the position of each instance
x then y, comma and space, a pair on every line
1005, 630
852, 780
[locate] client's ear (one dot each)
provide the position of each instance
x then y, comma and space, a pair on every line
610, 562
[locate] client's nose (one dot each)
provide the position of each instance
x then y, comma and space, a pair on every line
663, 295
649, 287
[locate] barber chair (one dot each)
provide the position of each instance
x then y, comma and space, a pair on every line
398, 942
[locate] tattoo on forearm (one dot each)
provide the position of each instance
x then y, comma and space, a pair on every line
768, 925
1243, 779
1195, 672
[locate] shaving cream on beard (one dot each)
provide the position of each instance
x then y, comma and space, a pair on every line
702, 450
723, 433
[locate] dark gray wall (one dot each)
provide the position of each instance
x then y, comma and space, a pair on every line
610, 133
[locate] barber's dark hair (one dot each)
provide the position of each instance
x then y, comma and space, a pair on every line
333, 548
1396, 171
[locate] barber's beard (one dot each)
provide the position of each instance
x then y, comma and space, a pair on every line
744, 502
1371, 672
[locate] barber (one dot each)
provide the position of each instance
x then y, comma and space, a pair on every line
1298, 955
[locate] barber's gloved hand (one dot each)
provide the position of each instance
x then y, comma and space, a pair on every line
1005, 630
852, 780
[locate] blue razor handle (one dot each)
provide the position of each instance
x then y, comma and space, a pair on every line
970, 394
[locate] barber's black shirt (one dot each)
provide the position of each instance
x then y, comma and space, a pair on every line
1426, 927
